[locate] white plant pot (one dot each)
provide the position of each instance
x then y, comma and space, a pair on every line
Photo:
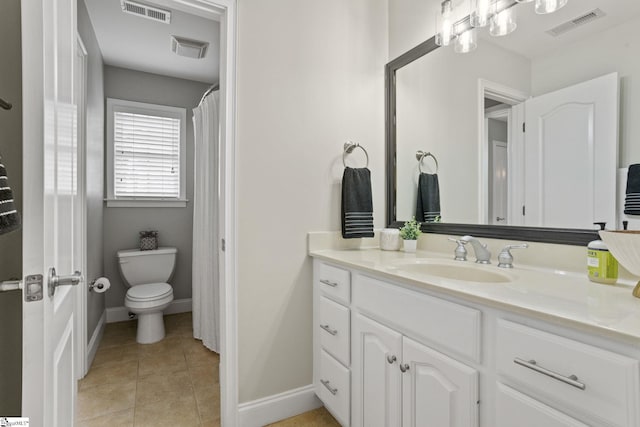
410, 245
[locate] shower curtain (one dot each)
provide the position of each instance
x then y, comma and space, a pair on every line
206, 315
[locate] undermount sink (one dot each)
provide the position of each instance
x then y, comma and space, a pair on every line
455, 270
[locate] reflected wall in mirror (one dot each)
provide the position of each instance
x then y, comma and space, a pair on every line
468, 110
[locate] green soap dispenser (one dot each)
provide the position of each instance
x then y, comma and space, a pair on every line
602, 266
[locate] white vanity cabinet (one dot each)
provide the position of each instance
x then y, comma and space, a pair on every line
389, 353
331, 339
597, 385
398, 381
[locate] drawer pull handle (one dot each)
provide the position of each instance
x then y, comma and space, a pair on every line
329, 283
391, 359
328, 329
332, 390
404, 367
531, 364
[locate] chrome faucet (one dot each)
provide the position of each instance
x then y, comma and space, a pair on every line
483, 256
505, 259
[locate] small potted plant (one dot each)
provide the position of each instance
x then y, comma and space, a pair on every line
409, 233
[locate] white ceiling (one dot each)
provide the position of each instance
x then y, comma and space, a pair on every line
138, 43
531, 40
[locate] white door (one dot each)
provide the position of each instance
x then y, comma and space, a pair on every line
52, 226
437, 391
571, 142
376, 381
499, 183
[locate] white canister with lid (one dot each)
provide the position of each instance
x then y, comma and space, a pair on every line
390, 239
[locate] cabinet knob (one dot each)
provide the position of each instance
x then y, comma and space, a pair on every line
404, 367
391, 359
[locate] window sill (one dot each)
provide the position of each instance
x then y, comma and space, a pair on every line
146, 203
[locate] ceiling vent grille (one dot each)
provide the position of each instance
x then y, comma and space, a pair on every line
576, 22
188, 48
144, 11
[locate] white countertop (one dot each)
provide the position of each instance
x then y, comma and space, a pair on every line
563, 296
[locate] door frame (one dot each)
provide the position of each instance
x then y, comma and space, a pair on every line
506, 95
495, 113
225, 11
82, 362
33, 128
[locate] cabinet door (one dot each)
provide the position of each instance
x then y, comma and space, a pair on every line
376, 395
437, 391
516, 409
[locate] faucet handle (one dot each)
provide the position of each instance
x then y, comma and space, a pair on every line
505, 259
460, 254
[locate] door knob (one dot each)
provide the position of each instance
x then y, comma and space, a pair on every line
55, 280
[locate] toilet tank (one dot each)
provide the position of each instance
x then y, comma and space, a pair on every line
140, 267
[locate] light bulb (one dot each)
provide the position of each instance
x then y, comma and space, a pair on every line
466, 41
480, 13
549, 6
444, 23
502, 22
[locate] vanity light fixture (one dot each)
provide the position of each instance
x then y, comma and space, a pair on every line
444, 24
454, 26
480, 13
502, 21
466, 41
549, 6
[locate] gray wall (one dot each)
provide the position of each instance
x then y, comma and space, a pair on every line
175, 225
94, 164
11, 243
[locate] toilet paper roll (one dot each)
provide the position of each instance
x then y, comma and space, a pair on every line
101, 285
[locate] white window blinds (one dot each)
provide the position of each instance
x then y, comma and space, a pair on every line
146, 156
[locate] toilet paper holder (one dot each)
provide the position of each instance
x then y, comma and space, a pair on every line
95, 286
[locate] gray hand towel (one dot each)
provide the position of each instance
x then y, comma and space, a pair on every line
428, 205
9, 216
357, 204
632, 198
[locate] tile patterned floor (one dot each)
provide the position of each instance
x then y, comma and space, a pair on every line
174, 382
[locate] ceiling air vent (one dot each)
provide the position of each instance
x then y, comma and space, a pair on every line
149, 12
188, 48
576, 22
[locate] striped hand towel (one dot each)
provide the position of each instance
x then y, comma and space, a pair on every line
632, 198
428, 205
9, 216
357, 204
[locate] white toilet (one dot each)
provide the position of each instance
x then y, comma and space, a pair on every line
146, 273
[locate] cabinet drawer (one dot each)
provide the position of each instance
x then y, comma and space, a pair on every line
433, 321
333, 387
516, 409
334, 329
570, 375
334, 282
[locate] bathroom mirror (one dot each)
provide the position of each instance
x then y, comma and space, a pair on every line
461, 108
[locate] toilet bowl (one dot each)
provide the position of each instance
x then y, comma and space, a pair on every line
147, 273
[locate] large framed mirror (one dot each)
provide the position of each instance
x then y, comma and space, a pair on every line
549, 181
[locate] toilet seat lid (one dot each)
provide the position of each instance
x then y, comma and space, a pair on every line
149, 291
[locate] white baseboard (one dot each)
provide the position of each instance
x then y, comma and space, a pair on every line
96, 337
120, 314
278, 407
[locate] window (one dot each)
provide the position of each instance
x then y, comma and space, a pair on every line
145, 154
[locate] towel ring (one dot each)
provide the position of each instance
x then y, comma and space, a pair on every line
348, 149
420, 155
